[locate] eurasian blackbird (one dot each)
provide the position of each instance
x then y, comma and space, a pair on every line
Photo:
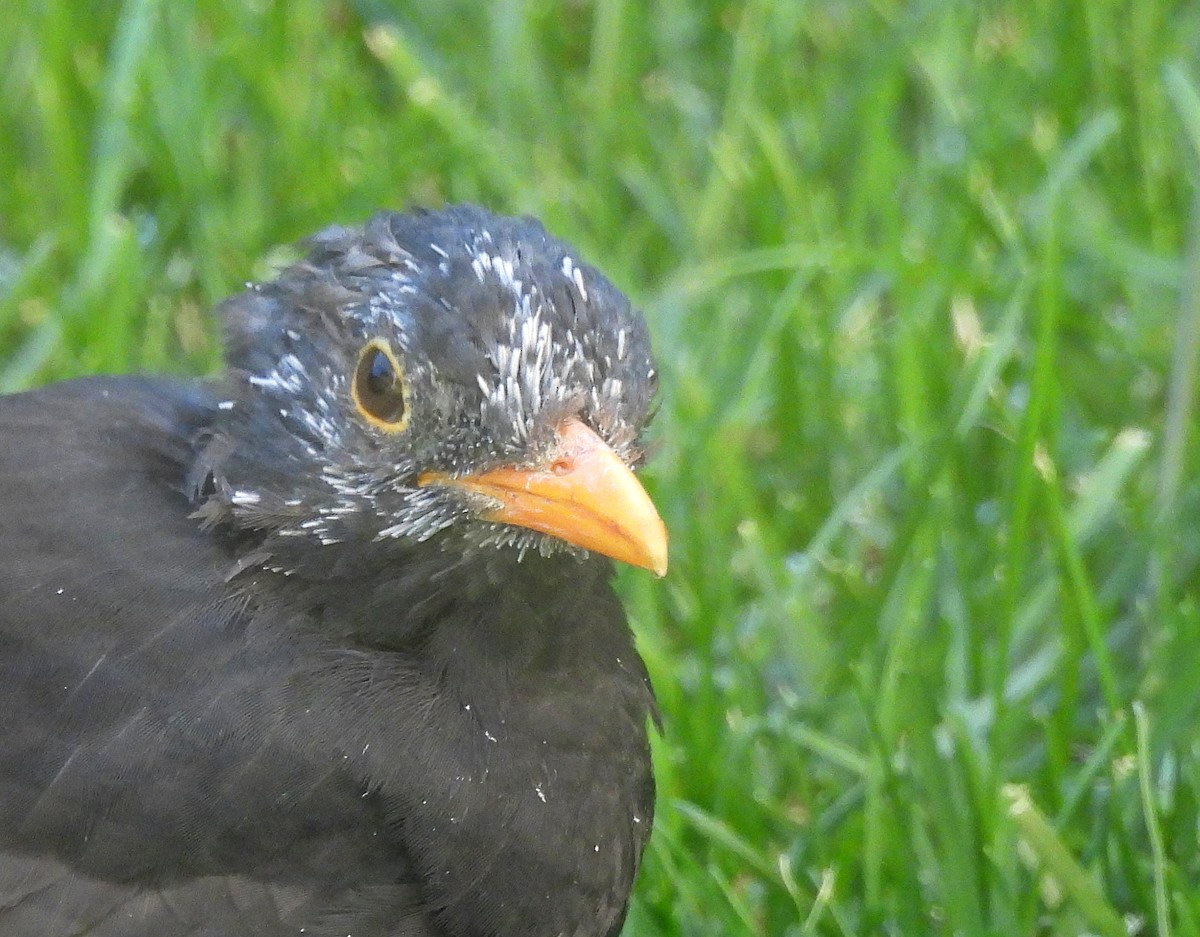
328, 645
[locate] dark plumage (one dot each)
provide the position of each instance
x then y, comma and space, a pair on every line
328, 645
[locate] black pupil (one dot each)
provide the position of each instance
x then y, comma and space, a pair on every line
380, 391
382, 377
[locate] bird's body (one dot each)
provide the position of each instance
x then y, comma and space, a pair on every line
272, 660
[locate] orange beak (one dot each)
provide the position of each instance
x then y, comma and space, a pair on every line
581, 493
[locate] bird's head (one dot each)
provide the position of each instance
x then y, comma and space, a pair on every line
452, 376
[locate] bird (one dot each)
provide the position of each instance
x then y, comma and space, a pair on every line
328, 644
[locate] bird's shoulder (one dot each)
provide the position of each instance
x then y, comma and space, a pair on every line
97, 545
145, 787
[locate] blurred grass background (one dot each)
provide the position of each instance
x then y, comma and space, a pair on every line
925, 280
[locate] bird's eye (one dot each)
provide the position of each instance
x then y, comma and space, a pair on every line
379, 389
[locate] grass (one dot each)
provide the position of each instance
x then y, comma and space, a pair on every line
925, 280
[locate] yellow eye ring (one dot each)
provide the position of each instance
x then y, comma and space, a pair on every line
379, 388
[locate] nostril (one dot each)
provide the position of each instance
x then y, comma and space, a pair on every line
561, 466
